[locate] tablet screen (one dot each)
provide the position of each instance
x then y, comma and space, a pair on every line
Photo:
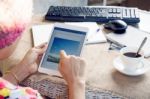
63, 39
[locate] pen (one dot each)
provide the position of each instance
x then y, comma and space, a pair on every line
98, 30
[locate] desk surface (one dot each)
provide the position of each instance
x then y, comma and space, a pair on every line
100, 70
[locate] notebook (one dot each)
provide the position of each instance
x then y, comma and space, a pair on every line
42, 33
95, 34
132, 38
144, 23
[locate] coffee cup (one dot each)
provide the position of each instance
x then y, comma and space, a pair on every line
130, 59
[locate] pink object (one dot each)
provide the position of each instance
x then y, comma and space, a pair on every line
8, 38
17, 92
15, 15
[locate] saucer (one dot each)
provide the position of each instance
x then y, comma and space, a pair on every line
118, 64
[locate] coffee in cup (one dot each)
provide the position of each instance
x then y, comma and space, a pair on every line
130, 59
132, 54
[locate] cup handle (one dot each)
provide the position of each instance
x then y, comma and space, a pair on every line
141, 65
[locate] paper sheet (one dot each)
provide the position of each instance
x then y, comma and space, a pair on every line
144, 23
41, 33
95, 35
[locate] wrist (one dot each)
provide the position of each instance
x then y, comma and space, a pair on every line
77, 90
11, 78
20, 71
16, 74
78, 82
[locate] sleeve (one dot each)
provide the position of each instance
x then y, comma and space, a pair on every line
10, 91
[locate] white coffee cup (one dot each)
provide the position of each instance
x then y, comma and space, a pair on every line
129, 59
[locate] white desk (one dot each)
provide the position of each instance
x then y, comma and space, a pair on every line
100, 70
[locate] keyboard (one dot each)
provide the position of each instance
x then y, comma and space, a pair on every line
100, 14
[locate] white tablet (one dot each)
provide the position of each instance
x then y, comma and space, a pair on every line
64, 37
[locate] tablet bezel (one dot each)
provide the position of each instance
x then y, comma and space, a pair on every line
66, 26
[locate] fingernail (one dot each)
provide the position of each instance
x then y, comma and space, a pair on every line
62, 51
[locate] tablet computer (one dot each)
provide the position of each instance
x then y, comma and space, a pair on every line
64, 37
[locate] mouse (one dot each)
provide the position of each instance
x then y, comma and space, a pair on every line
117, 26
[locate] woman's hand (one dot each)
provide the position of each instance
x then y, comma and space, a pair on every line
33, 57
72, 69
27, 66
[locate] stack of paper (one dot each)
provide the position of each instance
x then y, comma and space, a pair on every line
42, 33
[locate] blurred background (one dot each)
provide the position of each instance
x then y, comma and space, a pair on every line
41, 6
142, 4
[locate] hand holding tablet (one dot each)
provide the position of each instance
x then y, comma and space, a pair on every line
64, 37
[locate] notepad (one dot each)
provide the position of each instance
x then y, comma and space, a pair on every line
132, 38
144, 23
95, 34
42, 33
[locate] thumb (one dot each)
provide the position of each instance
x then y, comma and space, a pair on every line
41, 50
63, 54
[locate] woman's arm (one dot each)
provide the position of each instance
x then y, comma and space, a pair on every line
16, 74
27, 66
72, 69
77, 90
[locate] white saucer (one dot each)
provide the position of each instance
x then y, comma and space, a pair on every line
121, 68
